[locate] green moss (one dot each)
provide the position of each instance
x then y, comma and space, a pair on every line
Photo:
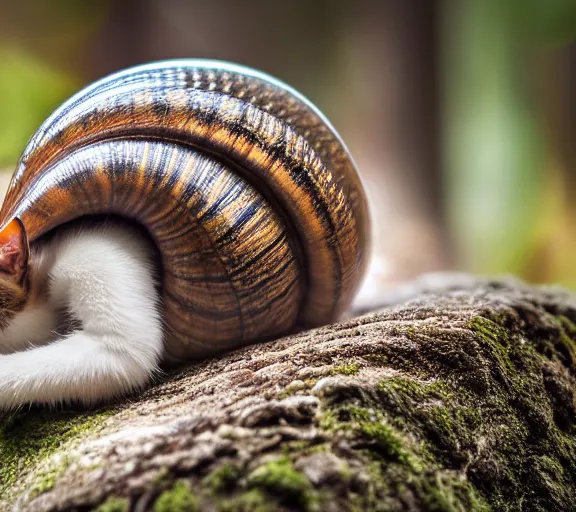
113, 505
371, 426
253, 500
412, 333
521, 413
496, 340
430, 489
400, 387
425, 421
566, 344
400, 467
45, 480
420, 425
447, 493
389, 443
294, 387
294, 446
290, 487
221, 479
345, 369
442, 412
178, 499
489, 330
376, 359
310, 383
29, 437
303, 447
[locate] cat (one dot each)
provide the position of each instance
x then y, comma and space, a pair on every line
80, 315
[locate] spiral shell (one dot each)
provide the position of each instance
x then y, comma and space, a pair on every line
246, 189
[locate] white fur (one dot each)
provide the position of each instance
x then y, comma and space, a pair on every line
103, 278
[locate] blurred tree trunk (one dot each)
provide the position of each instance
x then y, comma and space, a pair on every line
396, 118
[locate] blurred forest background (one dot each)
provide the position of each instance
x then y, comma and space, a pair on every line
461, 114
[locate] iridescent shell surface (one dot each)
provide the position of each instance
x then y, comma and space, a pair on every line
246, 189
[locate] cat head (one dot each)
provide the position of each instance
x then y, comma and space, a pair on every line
14, 254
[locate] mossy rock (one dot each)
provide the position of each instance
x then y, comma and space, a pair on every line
460, 399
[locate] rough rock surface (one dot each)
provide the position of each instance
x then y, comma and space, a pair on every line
461, 398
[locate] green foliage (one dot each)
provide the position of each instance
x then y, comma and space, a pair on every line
30, 89
551, 22
495, 151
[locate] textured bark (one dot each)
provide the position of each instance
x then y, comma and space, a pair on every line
462, 398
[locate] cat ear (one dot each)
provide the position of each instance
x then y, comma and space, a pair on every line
14, 249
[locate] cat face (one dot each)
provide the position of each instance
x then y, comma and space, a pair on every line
14, 253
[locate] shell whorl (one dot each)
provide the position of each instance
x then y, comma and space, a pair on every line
246, 189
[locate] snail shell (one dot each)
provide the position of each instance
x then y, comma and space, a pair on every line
246, 189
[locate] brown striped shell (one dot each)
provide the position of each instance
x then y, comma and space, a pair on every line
248, 192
